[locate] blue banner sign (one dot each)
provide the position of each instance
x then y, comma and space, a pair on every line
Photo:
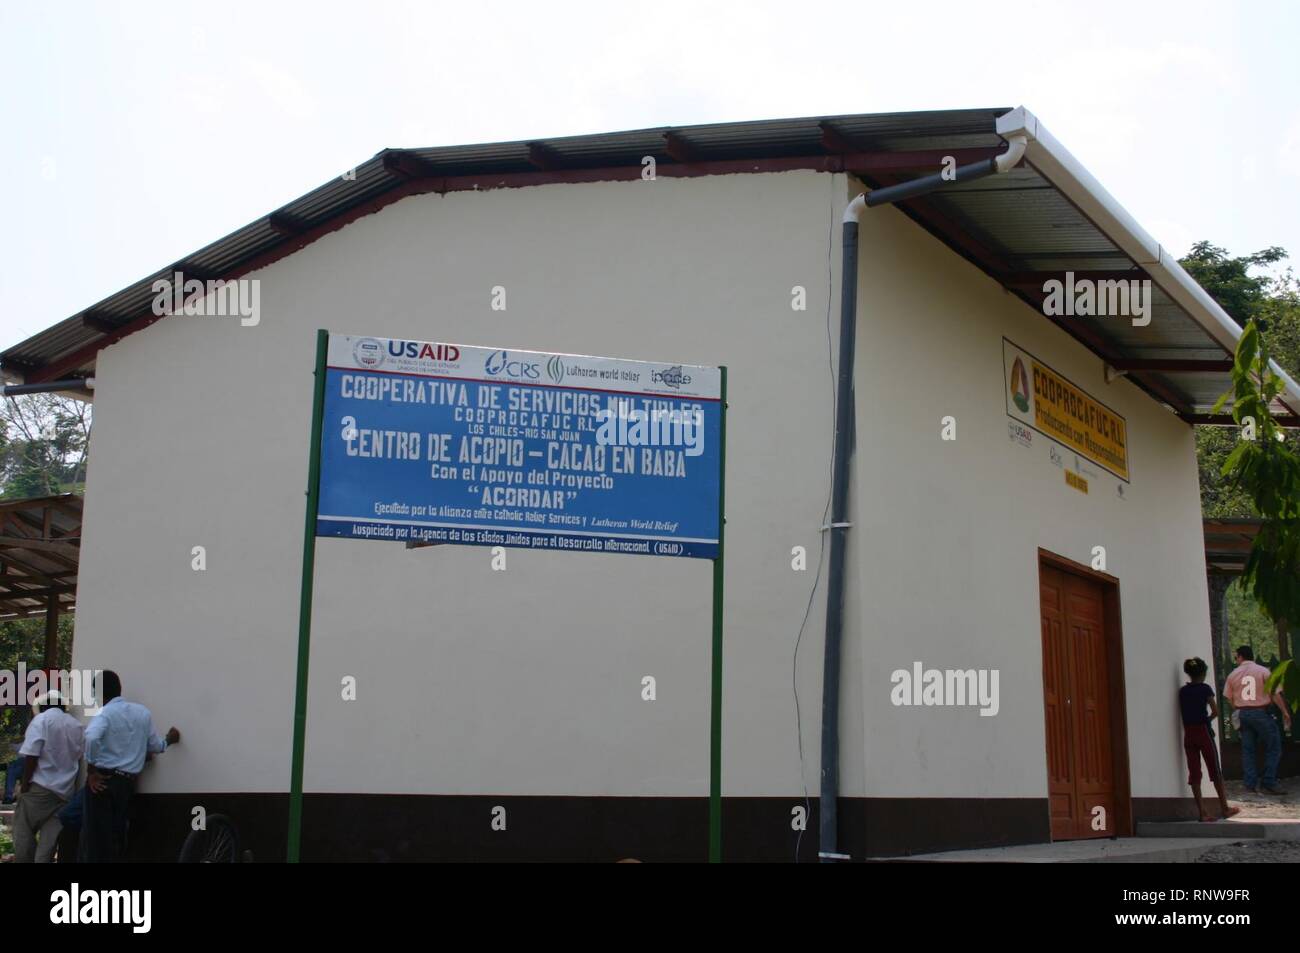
446, 443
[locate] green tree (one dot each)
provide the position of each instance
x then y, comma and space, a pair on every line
43, 443
1272, 299
1229, 281
1268, 471
1254, 287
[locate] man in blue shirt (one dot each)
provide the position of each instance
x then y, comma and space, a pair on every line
118, 741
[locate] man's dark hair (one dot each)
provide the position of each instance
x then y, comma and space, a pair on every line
1195, 668
110, 686
1246, 652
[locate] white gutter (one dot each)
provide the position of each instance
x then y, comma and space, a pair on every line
1017, 143
1054, 163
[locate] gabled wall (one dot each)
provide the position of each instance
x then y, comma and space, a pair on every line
523, 687
472, 681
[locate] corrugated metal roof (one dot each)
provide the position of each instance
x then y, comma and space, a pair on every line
1014, 223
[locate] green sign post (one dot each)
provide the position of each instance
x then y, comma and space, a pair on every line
305, 600
715, 707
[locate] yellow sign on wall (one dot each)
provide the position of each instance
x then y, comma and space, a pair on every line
1044, 400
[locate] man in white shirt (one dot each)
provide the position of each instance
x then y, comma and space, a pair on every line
52, 748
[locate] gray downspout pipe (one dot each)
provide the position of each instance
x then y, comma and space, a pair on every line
828, 851
828, 801
50, 387
929, 183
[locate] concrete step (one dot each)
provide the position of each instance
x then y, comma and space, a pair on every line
1235, 828
1123, 850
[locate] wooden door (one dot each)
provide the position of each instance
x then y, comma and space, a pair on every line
1076, 691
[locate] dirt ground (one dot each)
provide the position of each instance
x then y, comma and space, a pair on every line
1253, 852
1267, 805
1285, 806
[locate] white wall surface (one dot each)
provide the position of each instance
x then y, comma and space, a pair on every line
528, 682
948, 532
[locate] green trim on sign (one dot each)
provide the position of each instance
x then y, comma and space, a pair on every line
715, 727
304, 604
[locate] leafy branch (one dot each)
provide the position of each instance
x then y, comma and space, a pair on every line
1268, 472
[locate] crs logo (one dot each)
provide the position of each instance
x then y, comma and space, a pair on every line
368, 352
499, 362
671, 377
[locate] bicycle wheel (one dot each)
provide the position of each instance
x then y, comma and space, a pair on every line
217, 843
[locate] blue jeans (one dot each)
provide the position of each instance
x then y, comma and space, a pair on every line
13, 773
71, 813
1257, 725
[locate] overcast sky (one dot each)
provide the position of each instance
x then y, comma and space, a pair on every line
135, 133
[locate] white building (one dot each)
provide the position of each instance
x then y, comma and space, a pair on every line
522, 689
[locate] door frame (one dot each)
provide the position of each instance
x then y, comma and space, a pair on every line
1116, 702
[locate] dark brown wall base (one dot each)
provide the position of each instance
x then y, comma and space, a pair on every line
901, 826
160, 823
1164, 809
395, 828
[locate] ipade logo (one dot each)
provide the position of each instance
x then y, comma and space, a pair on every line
671, 376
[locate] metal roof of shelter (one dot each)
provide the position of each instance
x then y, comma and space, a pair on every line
40, 552
1043, 218
1228, 543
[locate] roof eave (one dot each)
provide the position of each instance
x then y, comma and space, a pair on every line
1055, 163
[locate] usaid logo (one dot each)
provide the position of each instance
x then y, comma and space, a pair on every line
368, 353
425, 351
499, 364
671, 377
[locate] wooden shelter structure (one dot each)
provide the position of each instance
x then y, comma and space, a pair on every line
40, 549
